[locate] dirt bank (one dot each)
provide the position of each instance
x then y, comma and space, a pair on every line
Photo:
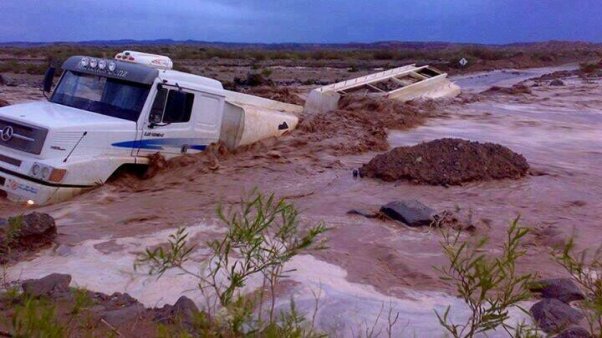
447, 162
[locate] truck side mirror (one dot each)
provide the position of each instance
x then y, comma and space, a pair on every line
48, 78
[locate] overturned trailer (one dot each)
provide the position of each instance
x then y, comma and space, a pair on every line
403, 83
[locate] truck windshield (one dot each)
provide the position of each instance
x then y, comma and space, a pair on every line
106, 96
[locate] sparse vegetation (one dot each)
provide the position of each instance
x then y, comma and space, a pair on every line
490, 286
263, 234
36, 318
590, 68
35, 59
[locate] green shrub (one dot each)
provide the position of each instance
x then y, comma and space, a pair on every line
263, 234
36, 318
490, 286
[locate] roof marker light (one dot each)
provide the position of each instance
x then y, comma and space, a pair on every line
85, 61
112, 66
102, 64
93, 63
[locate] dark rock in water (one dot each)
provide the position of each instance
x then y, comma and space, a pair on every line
53, 285
123, 315
37, 224
553, 315
410, 212
556, 82
4, 103
574, 332
183, 311
563, 289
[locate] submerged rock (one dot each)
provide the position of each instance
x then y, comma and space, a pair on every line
563, 289
53, 285
553, 315
556, 82
410, 212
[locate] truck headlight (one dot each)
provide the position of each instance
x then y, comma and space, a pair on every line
36, 170
47, 173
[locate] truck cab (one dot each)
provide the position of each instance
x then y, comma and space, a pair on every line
106, 113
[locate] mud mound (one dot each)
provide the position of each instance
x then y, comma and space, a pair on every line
447, 162
517, 89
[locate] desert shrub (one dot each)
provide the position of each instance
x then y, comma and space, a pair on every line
266, 72
263, 234
383, 55
36, 318
490, 286
585, 267
589, 68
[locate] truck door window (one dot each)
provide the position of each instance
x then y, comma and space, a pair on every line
156, 114
171, 106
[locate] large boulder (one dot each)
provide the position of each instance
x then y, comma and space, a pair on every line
183, 311
37, 224
53, 285
563, 289
410, 212
553, 315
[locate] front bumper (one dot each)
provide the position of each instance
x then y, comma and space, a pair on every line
19, 189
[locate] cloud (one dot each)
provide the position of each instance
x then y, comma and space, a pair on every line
487, 21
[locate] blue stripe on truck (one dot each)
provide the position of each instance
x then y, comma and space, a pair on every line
157, 144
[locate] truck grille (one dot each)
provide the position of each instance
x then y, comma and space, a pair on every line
21, 136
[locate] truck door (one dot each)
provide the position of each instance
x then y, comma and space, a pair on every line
170, 128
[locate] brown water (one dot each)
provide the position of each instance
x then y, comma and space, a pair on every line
558, 130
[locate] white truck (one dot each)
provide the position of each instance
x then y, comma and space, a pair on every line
107, 113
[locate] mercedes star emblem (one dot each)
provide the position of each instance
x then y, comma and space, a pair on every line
6, 134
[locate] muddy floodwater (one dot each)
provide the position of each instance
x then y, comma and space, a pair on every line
369, 262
